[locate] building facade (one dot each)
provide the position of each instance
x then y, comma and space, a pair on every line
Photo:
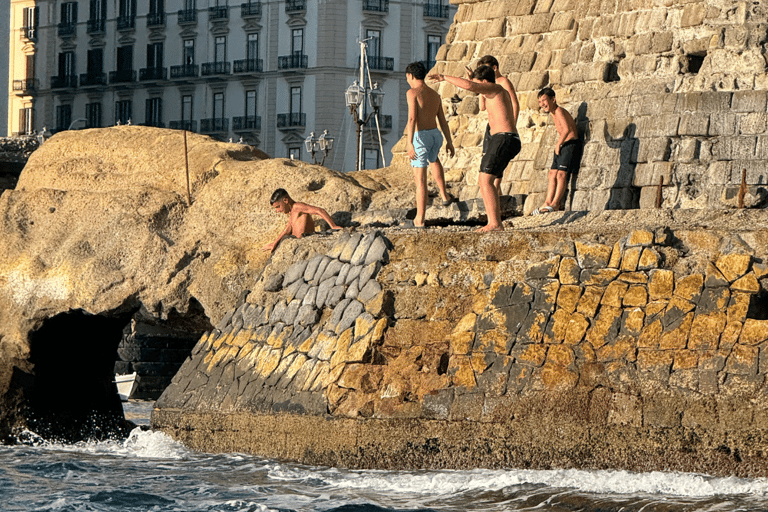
268, 72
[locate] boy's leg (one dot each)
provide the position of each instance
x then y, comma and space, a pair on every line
551, 188
562, 181
439, 176
491, 201
420, 177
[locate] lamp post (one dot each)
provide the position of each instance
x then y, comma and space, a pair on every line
323, 143
355, 96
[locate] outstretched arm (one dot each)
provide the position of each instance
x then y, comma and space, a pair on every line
271, 247
489, 89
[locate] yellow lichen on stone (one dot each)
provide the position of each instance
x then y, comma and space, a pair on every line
561, 355
615, 259
614, 293
462, 374
633, 277
577, 328
634, 321
685, 360
569, 271
753, 332
557, 378
623, 348
341, 353
636, 296
747, 283
630, 259
568, 297
461, 343
590, 301
598, 334
661, 284
241, 338
319, 368
466, 324
648, 359
733, 266
534, 354
295, 366
640, 237
326, 341
678, 337
269, 362
651, 335
559, 322
688, 287
738, 307
592, 255
706, 330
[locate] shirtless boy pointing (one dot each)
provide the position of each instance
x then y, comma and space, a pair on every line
299, 214
425, 111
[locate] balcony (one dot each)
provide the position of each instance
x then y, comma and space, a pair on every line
381, 63
385, 123
218, 12
294, 6
122, 76
25, 87
93, 79
156, 19
250, 9
146, 74
29, 33
187, 16
295, 61
292, 120
96, 26
246, 123
214, 125
190, 126
184, 71
432, 10
215, 68
376, 5
67, 28
63, 82
248, 66
126, 22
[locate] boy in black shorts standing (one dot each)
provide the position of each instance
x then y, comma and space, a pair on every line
567, 149
504, 144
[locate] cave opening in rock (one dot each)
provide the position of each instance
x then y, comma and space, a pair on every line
693, 62
74, 396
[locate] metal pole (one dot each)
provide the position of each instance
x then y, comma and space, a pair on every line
186, 165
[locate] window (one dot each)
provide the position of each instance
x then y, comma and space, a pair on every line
66, 64
294, 153
156, 6
123, 111
252, 48
25, 121
93, 115
374, 43
295, 100
218, 105
250, 103
154, 112
30, 67
69, 13
127, 9
155, 55
189, 52
189, 5
220, 49
63, 117
98, 10
297, 41
186, 108
95, 62
31, 17
371, 159
125, 58
433, 45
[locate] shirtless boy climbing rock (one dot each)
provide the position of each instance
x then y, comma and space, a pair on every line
300, 220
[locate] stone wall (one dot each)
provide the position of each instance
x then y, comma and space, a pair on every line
638, 349
672, 89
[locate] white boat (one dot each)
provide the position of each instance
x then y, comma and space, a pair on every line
126, 385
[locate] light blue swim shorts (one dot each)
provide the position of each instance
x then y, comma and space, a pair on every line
427, 144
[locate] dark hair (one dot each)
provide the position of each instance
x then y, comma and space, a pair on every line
278, 195
485, 73
417, 69
548, 91
488, 60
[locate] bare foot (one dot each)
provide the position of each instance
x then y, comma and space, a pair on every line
489, 228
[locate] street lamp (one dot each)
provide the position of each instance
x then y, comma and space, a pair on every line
355, 96
323, 143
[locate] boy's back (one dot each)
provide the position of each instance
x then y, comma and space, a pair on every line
427, 103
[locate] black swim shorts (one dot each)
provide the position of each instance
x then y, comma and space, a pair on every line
502, 148
568, 159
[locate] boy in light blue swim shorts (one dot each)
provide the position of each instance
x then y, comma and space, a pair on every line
425, 111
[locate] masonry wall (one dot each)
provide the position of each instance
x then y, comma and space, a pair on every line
672, 90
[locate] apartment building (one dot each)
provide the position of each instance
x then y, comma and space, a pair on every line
267, 72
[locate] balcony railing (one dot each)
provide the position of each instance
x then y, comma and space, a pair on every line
184, 71
436, 10
91, 79
156, 19
122, 76
248, 66
187, 16
382, 63
216, 124
62, 82
292, 120
28, 85
250, 9
218, 12
29, 33
295, 5
190, 126
376, 5
67, 28
246, 123
293, 61
126, 22
216, 68
96, 26
153, 74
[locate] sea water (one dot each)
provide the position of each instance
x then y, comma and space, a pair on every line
149, 471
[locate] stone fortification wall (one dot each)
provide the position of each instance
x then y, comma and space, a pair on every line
672, 89
635, 349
